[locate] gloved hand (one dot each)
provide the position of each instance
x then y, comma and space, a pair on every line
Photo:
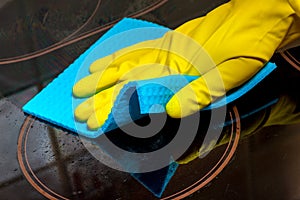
152, 59
239, 36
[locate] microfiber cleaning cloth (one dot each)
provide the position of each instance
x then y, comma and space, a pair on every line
56, 104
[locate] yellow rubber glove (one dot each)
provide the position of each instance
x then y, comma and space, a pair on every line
239, 36
175, 53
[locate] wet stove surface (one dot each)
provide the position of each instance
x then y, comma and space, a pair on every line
40, 161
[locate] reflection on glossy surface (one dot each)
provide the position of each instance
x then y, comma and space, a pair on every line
35, 25
58, 166
265, 165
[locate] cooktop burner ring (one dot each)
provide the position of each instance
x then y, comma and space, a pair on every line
42, 188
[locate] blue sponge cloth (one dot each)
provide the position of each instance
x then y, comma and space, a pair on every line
56, 104
57, 96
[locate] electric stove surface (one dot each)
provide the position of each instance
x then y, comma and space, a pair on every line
258, 158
